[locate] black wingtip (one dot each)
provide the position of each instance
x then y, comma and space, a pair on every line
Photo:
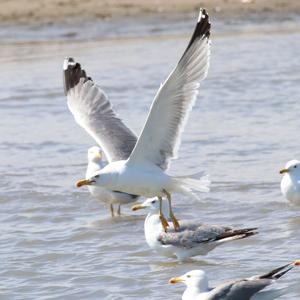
278, 272
72, 73
203, 24
202, 29
248, 234
241, 233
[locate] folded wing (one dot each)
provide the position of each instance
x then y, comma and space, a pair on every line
192, 235
249, 288
93, 111
238, 290
160, 137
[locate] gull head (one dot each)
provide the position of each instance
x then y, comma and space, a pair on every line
152, 207
94, 154
193, 279
292, 168
151, 204
91, 181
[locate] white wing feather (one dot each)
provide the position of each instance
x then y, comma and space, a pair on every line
93, 111
160, 137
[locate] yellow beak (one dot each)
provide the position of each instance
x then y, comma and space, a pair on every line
82, 182
296, 262
137, 207
176, 280
98, 156
283, 171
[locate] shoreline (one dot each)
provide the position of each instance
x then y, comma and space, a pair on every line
35, 12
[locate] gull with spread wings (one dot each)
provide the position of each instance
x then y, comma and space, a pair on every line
142, 171
92, 111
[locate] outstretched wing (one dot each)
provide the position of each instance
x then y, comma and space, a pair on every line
160, 137
93, 111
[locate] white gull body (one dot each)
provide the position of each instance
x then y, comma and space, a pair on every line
197, 287
192, 239
143, 172
290, 183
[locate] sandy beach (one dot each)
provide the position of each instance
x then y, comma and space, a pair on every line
50, 11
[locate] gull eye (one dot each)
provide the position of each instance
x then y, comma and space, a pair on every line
153, 201
97, 176
295, 167
188, 276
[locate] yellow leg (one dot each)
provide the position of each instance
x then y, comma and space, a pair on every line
174, 220
112, 211
163, 221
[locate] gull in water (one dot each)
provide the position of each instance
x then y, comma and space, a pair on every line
290, 183
192, 238
241, 289
109, 197
143, 173
92, 111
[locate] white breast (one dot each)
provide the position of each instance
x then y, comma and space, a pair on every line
153, 228
102, 193
290, 188
131, 179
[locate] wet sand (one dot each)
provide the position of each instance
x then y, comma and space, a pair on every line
45, 11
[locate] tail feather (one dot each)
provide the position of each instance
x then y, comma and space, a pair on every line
236, 234
187, 185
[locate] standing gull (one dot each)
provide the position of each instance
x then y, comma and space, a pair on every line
193, 238
290, 183
242, 289
143, 173
92, 111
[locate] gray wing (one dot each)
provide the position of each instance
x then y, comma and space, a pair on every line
93, 111
160, 137
244, 289
238, 290
193, 234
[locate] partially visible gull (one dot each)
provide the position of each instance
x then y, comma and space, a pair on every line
193, 238
143, 173
92, 111
241, 289
95, 164
290, 183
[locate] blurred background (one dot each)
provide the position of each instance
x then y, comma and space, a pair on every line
53, 11
57, 242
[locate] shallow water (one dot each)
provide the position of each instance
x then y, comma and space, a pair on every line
58, 243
